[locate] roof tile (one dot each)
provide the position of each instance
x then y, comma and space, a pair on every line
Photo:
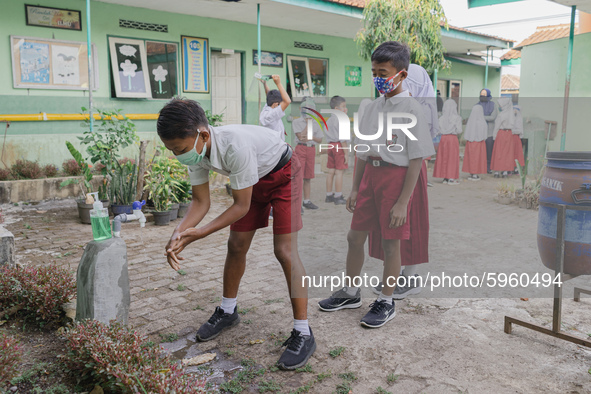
542, 34
509, 82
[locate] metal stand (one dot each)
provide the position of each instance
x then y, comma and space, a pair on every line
558, 272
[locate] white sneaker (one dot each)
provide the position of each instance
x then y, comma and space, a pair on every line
445, 181
453, 182
473, 178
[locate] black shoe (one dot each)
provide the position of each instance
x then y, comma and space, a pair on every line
340, 200
310, 205
299, 350
412, 285
218, 322
341, 300
379, 314
329, 198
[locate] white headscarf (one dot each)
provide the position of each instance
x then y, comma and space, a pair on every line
476, 127
420, 87
506, 117
450, 122
518, 126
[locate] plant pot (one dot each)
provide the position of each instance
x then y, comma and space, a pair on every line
174, 211
522, 203
119, 209
183, 208
161, 218
84, 210
505, 200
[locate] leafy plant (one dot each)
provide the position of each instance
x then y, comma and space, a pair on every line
123, 183
160, 183
392, 378
49, 170
183, 193
26, 169
214, 120
11, 354
334, 353
70, 167
5, 174
505, 190
531, 194
522, 171
86, 174
417, 23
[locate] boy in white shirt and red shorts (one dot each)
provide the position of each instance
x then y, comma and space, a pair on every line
337, 155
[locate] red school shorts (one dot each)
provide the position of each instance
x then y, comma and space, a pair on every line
281, 190
378, 192
307, 157
336, 156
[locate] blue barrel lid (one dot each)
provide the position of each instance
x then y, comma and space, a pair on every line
569, 160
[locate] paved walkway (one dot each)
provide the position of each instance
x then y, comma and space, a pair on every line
451, 343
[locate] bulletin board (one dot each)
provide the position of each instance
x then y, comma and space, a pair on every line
40, 63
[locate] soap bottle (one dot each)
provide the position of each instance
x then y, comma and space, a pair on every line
99, 219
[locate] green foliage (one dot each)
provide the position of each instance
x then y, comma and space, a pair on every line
392, 378
183, 193
380, 390
123, 183
86, 185
269, 385
160, 181
306, 368
169, 337
417, 23
11, 354
522, 171
214, 120
334, 353
26, 169
321, 376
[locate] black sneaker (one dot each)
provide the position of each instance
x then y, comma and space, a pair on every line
379, 314
411, 286
310, 205
217, 323
341, 300
340, 200
299, 350
329, 198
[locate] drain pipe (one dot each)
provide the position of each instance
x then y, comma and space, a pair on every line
124, 218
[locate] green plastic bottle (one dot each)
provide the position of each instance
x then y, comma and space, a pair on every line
99, 219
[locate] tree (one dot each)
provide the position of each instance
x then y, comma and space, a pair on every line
417, 23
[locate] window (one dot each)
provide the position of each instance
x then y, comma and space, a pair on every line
308, 76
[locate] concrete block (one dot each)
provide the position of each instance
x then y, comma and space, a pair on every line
6, 247
103, 282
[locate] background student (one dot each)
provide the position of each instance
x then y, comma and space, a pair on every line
503, 158
490, 114
337, 156
447, 161
273, 112
475, 136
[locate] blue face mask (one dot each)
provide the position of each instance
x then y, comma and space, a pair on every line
386, 85
191, 157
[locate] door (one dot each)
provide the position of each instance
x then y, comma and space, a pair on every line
226, 87
455, 91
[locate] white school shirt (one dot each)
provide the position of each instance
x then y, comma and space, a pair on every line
332, 132
301, 125
450, 122
271, 118
369, 124
245, 153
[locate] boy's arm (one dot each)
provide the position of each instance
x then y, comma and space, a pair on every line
266, 86
285, 100
357, 176
400, 209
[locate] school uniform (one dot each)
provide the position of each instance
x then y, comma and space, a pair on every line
336, 153
475, 136
517, 135
503, 158
447, 162
306, 150
490, 114
385, 171
271, 118
256, 156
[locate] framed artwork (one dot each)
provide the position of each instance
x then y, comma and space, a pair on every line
129, 68
162, 68
39, 63
270, 59
352, 76
195, 62
57, 18
308, 76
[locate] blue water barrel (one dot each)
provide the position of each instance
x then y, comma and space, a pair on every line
566, 180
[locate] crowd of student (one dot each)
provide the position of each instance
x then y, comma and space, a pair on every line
388, 199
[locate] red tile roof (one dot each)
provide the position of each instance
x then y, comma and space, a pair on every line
509, 82
542, 34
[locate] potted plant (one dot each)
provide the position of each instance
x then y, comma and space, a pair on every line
123, 187
523, 175
532, 195
505, 193
85, 182
184, 197
179, 173
162, 187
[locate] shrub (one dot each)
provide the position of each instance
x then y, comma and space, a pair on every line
126, 160
120, 360
10, 357
26, 169
40, 291
5, 174
71, 168
99, 167
49, 170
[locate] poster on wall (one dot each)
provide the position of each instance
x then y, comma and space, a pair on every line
39, 63
57, 18
129, 68
270, 59
352, 76
195, 64
162, 67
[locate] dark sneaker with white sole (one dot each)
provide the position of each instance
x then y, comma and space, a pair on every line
218, 322
329, 198
380, 313
299, 350
310, 205
341, 300
340, 200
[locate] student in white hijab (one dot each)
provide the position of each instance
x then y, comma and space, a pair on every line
447, 162
475, 136
420, 87
503, 157
518, 134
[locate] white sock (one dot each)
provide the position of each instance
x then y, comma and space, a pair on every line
301, 326
337, 195
228, 305
328, 194
410, 270
351, 290
385, 298
306, 201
